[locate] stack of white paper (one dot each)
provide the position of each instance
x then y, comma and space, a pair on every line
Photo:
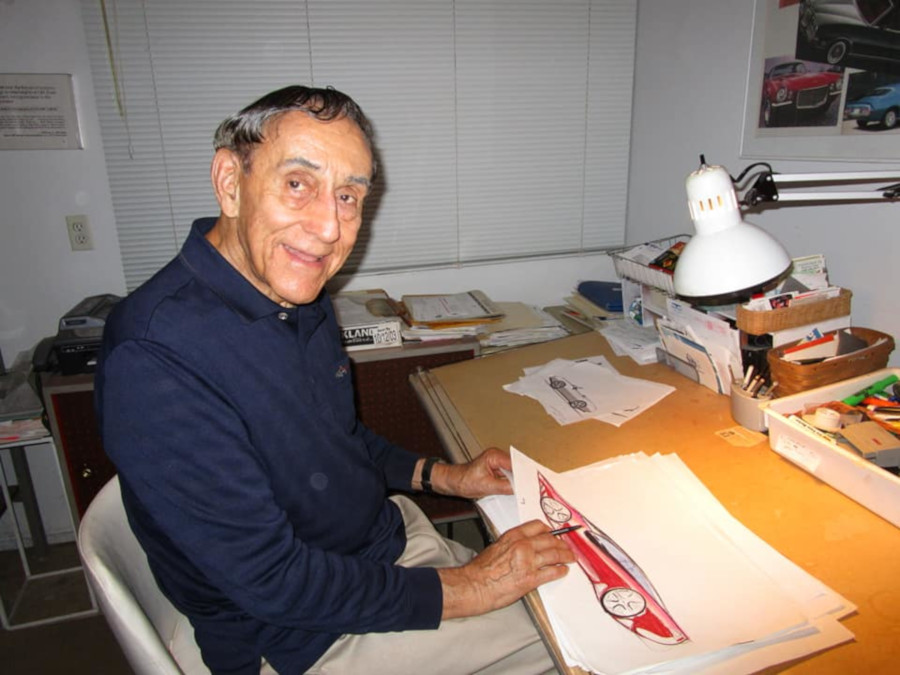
521, 324
667, 581
628, 339
589, 388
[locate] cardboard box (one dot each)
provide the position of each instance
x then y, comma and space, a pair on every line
367, 319
861, 480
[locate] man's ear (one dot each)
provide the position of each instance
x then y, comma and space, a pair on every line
226, 175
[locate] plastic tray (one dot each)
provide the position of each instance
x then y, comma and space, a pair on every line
861, 480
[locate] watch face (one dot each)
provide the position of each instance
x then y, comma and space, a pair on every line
554, 510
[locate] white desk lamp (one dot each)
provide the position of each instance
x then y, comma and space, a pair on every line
728, 258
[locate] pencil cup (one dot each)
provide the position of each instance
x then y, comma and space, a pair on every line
745, 409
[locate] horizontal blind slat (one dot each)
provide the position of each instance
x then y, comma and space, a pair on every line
502, 125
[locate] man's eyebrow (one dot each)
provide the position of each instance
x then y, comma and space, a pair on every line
365, 181
302, 161
361, 180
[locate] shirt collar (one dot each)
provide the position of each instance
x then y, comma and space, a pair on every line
214, 271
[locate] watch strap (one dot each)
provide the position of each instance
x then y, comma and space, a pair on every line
426, 474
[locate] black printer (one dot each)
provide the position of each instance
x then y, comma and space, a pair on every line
77, 343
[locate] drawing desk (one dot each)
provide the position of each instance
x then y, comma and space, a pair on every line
847, 547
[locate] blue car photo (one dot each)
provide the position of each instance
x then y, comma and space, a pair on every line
878, 106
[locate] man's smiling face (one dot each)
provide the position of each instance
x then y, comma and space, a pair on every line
289, 223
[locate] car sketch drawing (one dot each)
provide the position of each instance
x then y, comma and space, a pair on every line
622, 588
571, 394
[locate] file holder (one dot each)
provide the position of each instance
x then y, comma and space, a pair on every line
680, 366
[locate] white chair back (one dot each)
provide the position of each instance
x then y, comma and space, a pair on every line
148, 627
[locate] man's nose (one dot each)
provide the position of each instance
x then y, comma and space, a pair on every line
322, 218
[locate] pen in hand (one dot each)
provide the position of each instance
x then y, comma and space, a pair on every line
564, 530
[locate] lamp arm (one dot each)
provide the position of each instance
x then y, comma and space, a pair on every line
765, 188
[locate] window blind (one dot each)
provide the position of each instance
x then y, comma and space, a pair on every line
502, 126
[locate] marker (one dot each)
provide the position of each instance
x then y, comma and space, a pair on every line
876, 388
565, 530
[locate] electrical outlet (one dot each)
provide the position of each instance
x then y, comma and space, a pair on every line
79, 233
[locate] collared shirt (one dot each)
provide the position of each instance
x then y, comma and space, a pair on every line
248, 480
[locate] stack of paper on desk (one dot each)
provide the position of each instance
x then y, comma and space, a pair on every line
666, 580
628, 339
589, 388
439, 316
521, 324
708, 343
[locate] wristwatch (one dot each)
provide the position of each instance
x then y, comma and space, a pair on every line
426, 474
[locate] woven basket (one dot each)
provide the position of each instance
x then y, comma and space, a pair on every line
794, 377
760, 322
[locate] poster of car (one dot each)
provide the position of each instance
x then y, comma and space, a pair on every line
824, 80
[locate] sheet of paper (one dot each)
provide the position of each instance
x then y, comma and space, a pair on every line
573, 391
471, 305
737, 601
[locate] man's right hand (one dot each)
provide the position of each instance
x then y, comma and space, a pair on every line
524, 558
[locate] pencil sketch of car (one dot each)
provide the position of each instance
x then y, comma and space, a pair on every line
879, 106
571, 394
853, 33
793, 88
621, 587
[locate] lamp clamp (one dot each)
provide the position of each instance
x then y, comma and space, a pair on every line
763, 190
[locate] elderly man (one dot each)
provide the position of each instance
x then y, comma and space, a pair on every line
226, 403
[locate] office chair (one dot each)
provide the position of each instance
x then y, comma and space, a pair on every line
155, 637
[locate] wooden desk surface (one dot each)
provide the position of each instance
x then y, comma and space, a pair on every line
852, 550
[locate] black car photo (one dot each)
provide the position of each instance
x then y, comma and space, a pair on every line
861, 34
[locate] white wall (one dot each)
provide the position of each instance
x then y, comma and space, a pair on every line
689, 95
690, 79
40, 276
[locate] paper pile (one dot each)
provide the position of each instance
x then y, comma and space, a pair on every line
628, 339
442, 316
594, 303
521, 324
707, 343
667, 581
590, 388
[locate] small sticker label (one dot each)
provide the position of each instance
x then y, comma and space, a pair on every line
797, 453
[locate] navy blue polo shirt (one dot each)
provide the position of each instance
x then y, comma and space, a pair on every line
258, 496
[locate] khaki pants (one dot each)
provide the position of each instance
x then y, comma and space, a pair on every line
503, 642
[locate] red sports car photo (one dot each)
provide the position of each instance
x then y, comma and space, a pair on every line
795, 93
622, 588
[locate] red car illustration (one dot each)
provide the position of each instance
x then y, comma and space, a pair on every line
622, 588
794, 88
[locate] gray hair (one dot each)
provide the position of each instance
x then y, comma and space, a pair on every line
240, 133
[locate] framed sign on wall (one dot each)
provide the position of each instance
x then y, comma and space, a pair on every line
37, 112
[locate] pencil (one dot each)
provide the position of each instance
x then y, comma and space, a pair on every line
747, 377
564, 530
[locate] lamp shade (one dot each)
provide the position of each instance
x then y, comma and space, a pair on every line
726, 256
